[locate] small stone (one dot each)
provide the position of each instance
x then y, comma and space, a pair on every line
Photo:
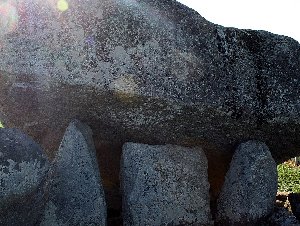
164, 185
249, 191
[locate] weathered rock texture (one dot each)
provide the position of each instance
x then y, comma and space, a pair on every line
76, 195
249, 192
23, 168
281, 217
126, 65
164, 185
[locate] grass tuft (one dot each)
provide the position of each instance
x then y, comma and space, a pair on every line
288, 178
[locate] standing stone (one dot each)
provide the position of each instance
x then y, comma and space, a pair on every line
76, 193
250, 187
23, 167
164, 185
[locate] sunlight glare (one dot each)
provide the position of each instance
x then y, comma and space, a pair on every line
8, 17
62, 5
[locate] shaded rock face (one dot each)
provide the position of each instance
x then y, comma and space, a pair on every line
249, 192
281, 217
23, 169
76, 195
164, 185
294, 199
126, 65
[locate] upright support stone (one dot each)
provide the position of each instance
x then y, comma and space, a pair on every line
23, 168
76, 192
164, 185
250, 186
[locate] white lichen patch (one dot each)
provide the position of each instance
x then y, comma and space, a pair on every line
19, 178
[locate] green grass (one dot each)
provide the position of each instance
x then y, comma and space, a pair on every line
288, 178
1, 125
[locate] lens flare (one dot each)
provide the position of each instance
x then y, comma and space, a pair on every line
8, 17
62, 5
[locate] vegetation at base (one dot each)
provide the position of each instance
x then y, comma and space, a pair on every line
288, 177
1, 125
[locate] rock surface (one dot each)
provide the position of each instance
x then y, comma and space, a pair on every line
281, 217
249, 192
294, 199
164, 185
126, 65
23, 168
76, 195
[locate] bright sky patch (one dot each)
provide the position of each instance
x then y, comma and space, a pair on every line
276, 16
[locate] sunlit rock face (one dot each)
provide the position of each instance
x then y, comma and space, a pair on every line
249, 191
164, 185
146, 71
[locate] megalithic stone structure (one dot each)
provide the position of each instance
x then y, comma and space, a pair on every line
148, 72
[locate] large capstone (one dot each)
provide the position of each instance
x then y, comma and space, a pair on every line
76, 195
23, 169
126, 65
249, 192
164, 185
